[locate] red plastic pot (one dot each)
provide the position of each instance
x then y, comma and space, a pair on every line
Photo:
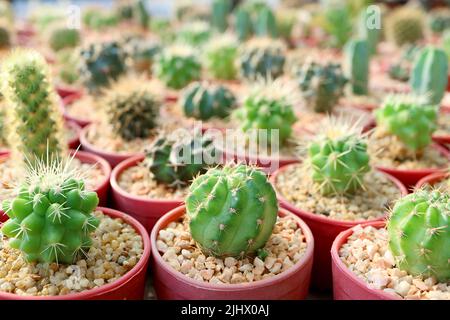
65, 91
432, 179
69, 99
130, 286
113, 158
74, 143
147, 211
325, 231
172, 285
346, 285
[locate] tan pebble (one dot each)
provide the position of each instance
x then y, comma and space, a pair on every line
269, 262
276, 268
174, 264
237, 278
186, 253
249, 276
287, 263
230, 262
165, 235
161, 245
186, 266
246, 267
207, 274
420, 284
403, 288
226, 275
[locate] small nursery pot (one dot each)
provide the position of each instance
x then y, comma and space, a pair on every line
74, 143
288, 285
113, 158
346, 285
65, 91
146, 211
325, 231
130, 286
69, 99
432, 179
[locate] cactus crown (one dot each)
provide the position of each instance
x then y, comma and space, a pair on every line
232, 210
61, 38
51, 218
35, 123
405, 25
419, 233
220, 57
410, 120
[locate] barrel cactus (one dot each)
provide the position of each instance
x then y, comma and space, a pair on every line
419, 234
232, 211
61, 38
405, 25
357, 60
204, 101
220, 57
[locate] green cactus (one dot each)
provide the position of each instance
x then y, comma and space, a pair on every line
367, 31
67, 61
255, 18
204, 101
337, 22
132, 110
194, 34
266, 24
446, 42
34, 117
439, 20
163, 29
357, 57
51, 219
409, 119
261, 58
286, 20
176, 160
405, 25
64, 38
429, 75
243, 24
100, 64
177, 66
419, 234
338, 158
220, 57
321, 85
219, 14
97, 18
401, 69
141, 53
5, 37
141, 14
232, 211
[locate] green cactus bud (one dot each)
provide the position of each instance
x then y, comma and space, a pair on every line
409, 119
141, 53
64, 38
101, 64
34, 117
194, 34
177, 66
220, 57
419, 234
429, 75
204, 101
232, 211
367, 31
266, 24
219, 16
405, 25
357, 58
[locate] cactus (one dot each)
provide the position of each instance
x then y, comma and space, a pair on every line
64, 38
243, 24
132, 110
97, 18
357, 57
429, 75
405, 25
141, 53
204, 101
163, 29
266, 24
401, 69
440, 20
67, 61
176, 160
100, 64
419, 234
232, 211
409, 119
219, 15
446, 42
5, 37
220, 57
194, 34
338, 24
142, 16
369, 32
177, 66
338, 158
255, 18
321, 85
261, 58
35, 122
51, 219
286, 20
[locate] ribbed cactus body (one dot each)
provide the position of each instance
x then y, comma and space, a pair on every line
219, 15
405, 25
429, 75
220, 58
419, 234
243, 24
64, 38
255, 18
204, 101
68, 60
232, 211
266, 23
357, 60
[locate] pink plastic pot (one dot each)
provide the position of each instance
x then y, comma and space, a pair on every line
113, 158
65, 91
147, 211
69, 99
130, 286
74, 143
432, 179
325, 231
173, 285
346, 285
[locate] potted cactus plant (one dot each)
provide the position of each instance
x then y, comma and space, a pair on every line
220, 57
334, 188
407, 259
405, 25
252, 250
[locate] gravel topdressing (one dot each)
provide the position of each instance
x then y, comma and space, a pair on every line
366, 254
116, 249
285, 247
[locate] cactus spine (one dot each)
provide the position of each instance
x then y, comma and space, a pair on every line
357, 57
232, 211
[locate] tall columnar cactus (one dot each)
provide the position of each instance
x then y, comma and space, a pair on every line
177, 66
35, 122
357, 59
61, 38
219, 15
204, 101
255, 18
51, 219
220, 57
243, 24
195, 33
131, 109
141, 53
100, 64
338, 158
261, 58
405, 25
266, 23
321, 85
368, 30
141, 13
232, 211
419, 234
429, 75
408, 119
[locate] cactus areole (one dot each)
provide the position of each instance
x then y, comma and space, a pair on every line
232, 211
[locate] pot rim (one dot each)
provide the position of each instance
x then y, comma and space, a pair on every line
432, 178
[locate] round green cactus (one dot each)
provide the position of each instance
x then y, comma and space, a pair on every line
232, 211
195, 33
204, 101
220, 57
405, 25
61, 38
419, 234
412, 122
177, 66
